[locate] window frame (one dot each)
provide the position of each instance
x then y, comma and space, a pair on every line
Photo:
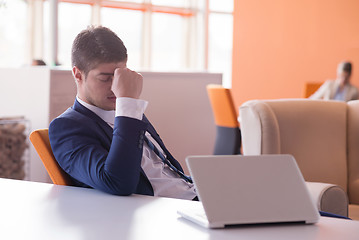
195, 13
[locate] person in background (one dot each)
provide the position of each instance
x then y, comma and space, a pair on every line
38, 62
339, 89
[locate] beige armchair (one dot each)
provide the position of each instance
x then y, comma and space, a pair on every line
323, 136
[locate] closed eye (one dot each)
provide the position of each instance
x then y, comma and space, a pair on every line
105, 78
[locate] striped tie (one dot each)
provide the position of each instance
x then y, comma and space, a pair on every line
165, 160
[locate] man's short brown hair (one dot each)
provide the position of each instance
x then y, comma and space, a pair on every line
96, 45
345, 67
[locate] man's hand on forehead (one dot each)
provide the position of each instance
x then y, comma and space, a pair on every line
127, 83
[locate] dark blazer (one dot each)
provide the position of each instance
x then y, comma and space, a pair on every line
97, 156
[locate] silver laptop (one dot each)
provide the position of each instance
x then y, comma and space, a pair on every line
238, 189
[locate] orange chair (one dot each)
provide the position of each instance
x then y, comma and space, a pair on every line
310, 88
40, 139
228, 135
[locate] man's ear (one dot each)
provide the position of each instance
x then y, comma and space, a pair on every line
77, 74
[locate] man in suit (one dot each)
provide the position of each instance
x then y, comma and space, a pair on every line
104, 141
339, 89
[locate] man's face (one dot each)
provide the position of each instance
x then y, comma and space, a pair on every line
343, 77
95, 89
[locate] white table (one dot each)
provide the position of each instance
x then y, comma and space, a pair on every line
30, 210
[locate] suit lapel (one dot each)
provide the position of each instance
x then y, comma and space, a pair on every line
94, 117
334, 89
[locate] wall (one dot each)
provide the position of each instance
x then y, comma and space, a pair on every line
25, 92
278, 45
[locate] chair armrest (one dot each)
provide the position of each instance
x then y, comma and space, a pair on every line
329, 198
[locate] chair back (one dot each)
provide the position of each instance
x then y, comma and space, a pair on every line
40, 140
353, 152
313, 131
311, 88
224, 112
228, 136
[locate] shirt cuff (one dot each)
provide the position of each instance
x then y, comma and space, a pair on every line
130, 107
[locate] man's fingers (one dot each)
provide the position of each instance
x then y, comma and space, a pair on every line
127, 83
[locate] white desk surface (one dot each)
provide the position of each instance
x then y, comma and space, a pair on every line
30, 210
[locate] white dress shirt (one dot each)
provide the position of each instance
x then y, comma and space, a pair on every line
164, 181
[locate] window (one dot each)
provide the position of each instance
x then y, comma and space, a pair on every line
171, 3
127, 25
220, 45
13, 43
220, 31
168, 46
72, 18
160, 35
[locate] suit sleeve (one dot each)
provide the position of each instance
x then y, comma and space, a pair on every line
319, 94
82, 152
355, 93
